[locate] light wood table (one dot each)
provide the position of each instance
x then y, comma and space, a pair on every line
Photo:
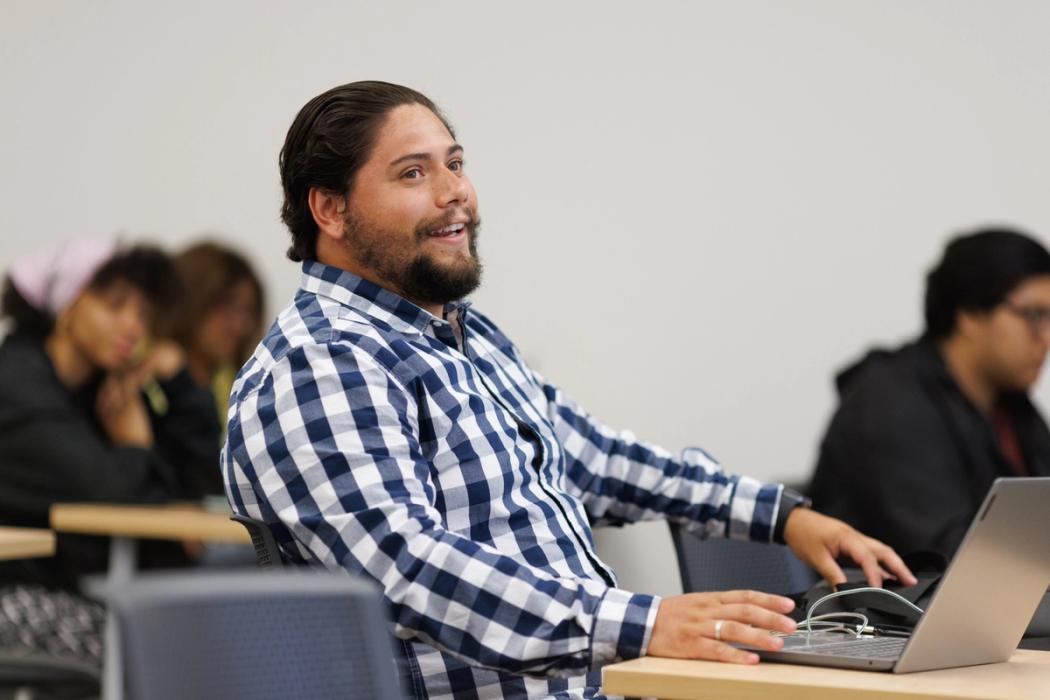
1026, 676
126, 524
26, 542
161, 522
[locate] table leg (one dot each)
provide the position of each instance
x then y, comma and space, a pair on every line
123, 553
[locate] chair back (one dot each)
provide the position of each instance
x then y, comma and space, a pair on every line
719, 564
288, 635
29, 672
267, 553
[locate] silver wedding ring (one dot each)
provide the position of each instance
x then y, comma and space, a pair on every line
718, 629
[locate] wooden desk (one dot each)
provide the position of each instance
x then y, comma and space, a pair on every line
1025, 677
26, 542
160, 522
126, 524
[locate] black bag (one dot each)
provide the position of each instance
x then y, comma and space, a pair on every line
889, 615
884, 612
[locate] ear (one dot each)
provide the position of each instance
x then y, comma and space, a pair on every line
329, 210
969, 323
61, 323
64, 317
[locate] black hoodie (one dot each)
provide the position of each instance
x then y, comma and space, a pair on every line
52, 450
908, 459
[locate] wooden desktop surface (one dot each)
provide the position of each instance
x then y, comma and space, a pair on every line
163, 522
26, 542
1025, 677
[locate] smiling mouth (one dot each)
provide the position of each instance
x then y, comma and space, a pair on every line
449, 231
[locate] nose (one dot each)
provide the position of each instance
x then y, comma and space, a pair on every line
452, 188
1043, 334
133, 322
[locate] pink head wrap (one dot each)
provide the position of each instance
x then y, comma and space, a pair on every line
51, 279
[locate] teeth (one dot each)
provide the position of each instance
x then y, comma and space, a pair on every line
454, 228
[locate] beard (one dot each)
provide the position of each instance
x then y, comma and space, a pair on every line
418, 275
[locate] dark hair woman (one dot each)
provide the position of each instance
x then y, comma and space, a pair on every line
76, 420
216, 323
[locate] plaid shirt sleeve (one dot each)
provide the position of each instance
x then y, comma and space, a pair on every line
329, 441
621, 479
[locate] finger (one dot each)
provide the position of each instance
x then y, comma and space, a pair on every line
140, 376
825, 565
118, 397
755, 616
776, 603
740, 633
893, 562
710, 650
132, 380
861, 552
872, 572
104, 401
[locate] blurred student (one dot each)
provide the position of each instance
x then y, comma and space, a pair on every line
922, 431
82, 416
216, 323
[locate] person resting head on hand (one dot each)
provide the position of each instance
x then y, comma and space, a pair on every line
87, 412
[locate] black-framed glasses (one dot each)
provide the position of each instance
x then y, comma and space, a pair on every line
1037, 317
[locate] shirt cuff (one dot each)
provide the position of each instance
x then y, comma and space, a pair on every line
623, 624
752, 512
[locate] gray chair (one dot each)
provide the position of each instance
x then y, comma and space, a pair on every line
718, 564
49, 644
267, 553
28, 676
284, 635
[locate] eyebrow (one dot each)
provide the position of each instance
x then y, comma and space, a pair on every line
424, 156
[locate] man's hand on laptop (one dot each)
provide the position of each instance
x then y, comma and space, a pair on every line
819, 540
702, 625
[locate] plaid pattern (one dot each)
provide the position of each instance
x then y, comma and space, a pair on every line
424, 453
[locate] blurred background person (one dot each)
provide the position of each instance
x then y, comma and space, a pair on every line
216, 325
921, 432
75, 421
77, 425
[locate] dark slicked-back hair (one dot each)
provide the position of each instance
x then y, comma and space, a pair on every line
329, 141
977, 272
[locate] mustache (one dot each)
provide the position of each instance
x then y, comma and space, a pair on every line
473, 224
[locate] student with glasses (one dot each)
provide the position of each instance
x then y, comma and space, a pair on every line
922, 431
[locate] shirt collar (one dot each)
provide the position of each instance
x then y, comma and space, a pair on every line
359, 294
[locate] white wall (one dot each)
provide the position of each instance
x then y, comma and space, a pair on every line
694, 211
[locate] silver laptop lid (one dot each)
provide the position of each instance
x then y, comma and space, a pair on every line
992, 586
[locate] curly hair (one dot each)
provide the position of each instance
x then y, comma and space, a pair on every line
145, 267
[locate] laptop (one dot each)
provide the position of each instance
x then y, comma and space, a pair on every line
982, 606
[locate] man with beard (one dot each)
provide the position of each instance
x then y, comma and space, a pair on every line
384, 427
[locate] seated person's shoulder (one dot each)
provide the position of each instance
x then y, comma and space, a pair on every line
27, 379
297, 340
896, 387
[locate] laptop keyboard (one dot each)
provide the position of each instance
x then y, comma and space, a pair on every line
869, 648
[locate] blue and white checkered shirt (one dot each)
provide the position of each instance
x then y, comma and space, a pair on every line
422, 452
